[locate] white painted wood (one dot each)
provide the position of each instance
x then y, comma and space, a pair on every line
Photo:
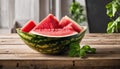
4, 30
26, 10
18, 10
65, 5
22, 9
58, 9
82, 2
11, 12
0, 13
7, 15
35, 10
4, 14
44, 8
50, 5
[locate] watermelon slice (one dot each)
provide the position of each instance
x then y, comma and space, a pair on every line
66, 20
69, 27
56, 32
28, 26
66, 31
50, 27
50, 22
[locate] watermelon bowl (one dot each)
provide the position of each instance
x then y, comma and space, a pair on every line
51, 36
50, 45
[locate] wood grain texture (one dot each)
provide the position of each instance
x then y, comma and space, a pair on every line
14, 51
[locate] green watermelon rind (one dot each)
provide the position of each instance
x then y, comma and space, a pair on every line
49, 45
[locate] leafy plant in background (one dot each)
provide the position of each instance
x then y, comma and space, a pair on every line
77, 12
112, 11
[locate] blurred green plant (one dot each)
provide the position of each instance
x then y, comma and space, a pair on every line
113, 10
77, 12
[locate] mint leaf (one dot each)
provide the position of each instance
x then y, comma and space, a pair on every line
72, 53
82, 53
76, 51
86, 47
91, 51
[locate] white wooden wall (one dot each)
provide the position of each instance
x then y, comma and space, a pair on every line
26, 10
65, 4
44, 8
4, 23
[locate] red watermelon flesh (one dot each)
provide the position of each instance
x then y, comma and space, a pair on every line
69, 26
50, 22
54, 32
61, 32
50, 27
66, 20
28, 26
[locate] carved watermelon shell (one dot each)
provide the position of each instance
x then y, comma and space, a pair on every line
49, 45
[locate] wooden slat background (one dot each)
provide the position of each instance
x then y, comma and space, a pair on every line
15, 54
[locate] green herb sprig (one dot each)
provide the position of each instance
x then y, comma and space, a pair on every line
77, 51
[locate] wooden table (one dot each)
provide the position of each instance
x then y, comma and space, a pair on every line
15, 54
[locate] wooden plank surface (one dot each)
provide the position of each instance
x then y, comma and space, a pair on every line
13, 50
106, 44
91, 39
